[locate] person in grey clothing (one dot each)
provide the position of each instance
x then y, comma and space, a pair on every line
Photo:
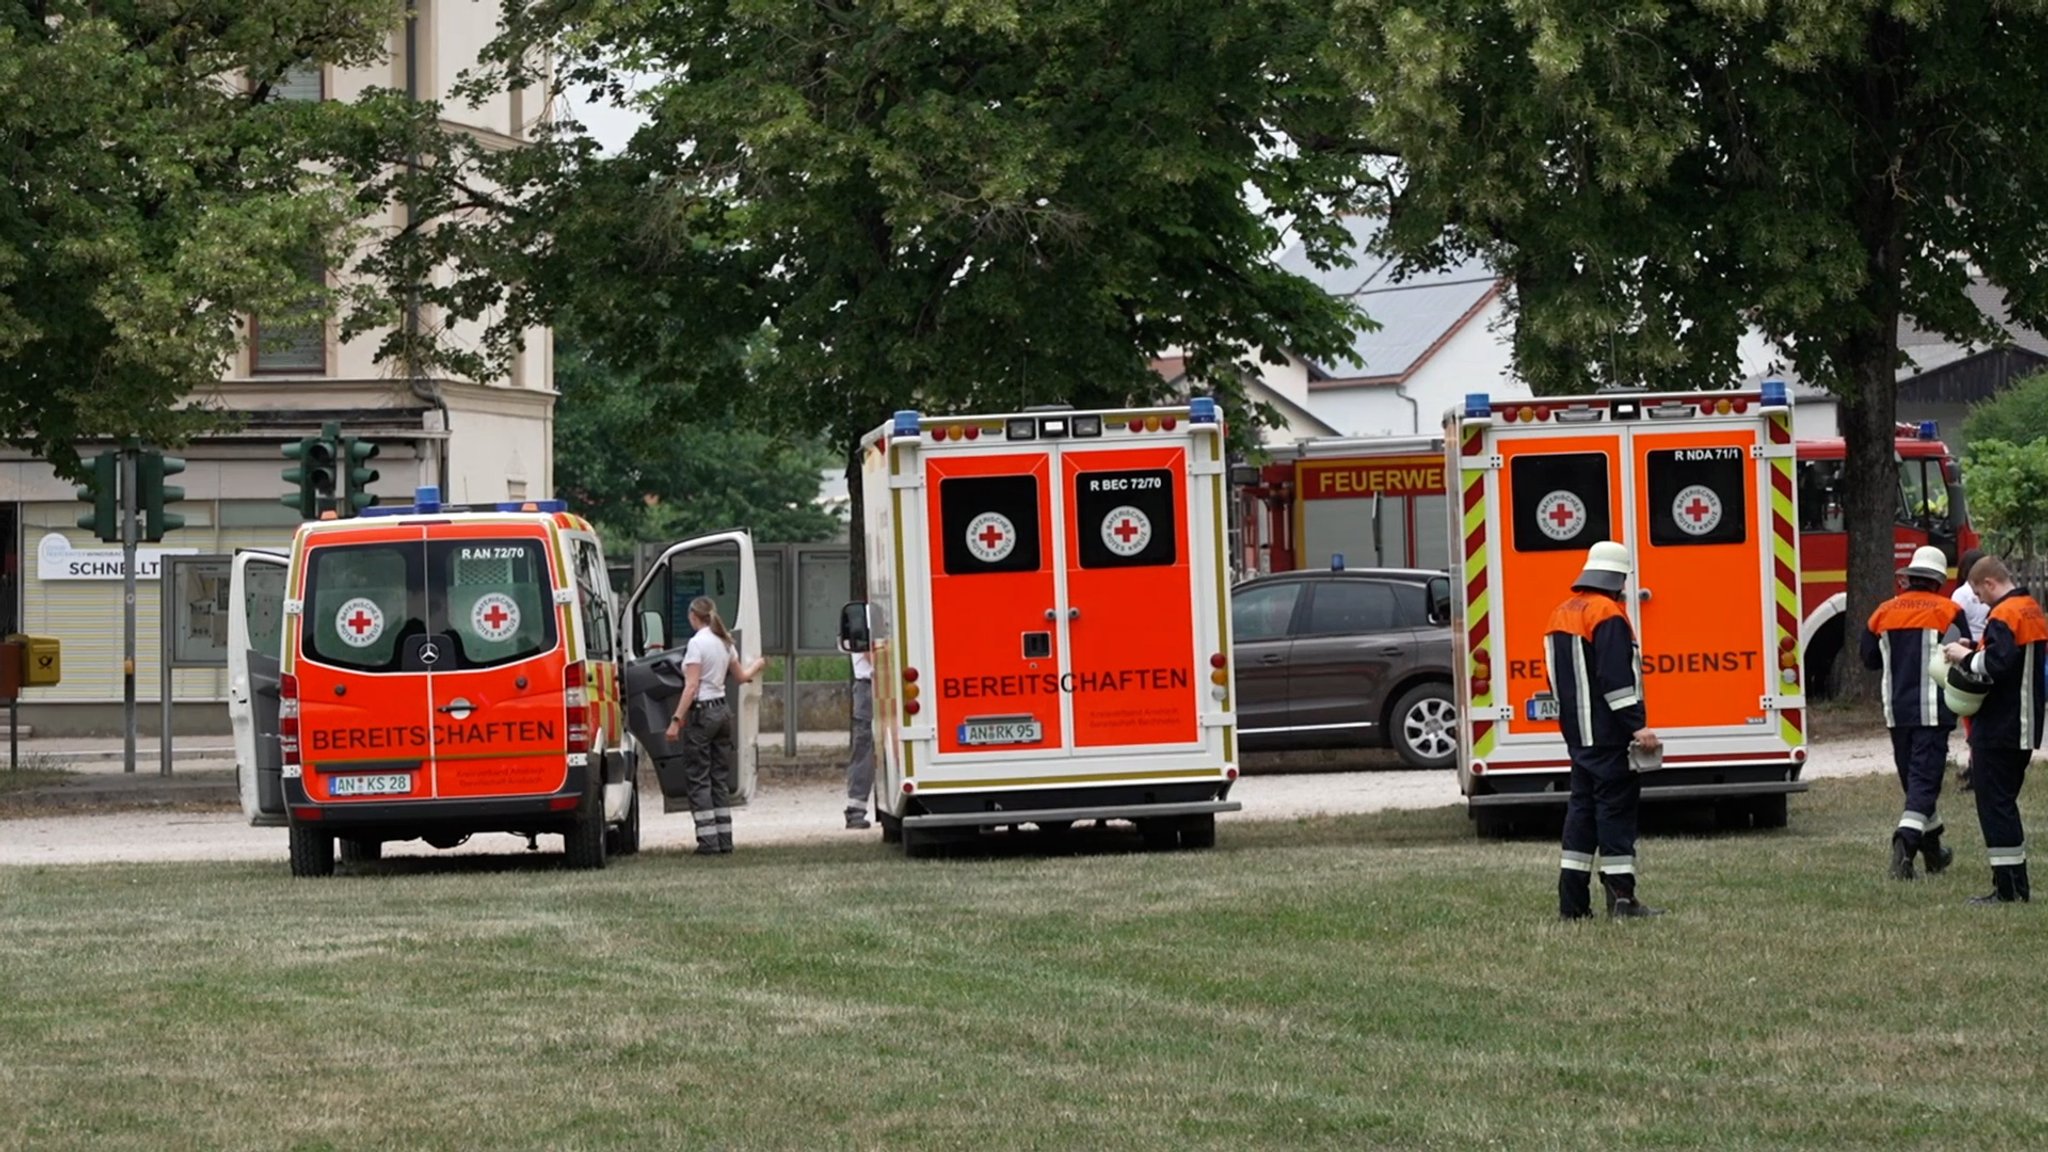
860, 761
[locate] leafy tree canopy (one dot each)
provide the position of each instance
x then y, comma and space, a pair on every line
934, 203
156, 190
1657, 176
2008, 486
645, 462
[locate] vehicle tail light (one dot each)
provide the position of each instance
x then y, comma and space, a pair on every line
910, 675
1479, 767
1166, 423
1481, 686
1218, 660
288, 719
909, 786
576, 703
912, 707
911, 691
1230, 773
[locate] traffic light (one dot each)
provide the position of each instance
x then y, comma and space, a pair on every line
103, 492
313, 477
356, 456
152, 493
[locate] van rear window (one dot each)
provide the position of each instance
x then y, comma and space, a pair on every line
372, 607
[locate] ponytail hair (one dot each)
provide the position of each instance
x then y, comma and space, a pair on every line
707, 610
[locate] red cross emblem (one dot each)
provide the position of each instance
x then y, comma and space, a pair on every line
360, 621
496, 617
1697, 510
991, 537
1562, 515
1126, 529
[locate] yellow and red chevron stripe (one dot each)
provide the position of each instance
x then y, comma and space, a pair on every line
1785, 567
1478, 600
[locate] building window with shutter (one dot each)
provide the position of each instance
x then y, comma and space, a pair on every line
306, 81
294, 341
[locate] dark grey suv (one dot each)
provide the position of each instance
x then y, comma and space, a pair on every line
1359, 658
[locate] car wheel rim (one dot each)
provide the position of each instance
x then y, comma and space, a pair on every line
1432, 729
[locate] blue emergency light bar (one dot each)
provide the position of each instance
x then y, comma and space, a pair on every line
1774, 394
905, 422
1201, 410
427, 499
1928, 430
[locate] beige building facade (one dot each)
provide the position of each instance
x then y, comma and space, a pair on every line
479, 440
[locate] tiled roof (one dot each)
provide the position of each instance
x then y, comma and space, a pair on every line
1415, 313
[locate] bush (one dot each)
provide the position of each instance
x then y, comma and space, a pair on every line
2008, 486
2018, 415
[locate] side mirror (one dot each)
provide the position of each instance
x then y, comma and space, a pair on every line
652, 632
853, 627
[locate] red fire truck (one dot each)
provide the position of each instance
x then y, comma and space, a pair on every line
1380, 502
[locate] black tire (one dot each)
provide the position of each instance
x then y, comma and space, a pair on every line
1492, 823
312, 851
1424, 726
892, 828
583, 842
1198, 831
1822, 653
361, 850
1160, 833
917, 843
1771, 811
624, 840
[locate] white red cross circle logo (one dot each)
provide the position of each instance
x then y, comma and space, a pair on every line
1697, 509
494, 616
991, 536
359, 622
1126, 530
1561, 515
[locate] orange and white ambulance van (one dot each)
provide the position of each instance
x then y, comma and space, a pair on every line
1699, 487
431, 672
1048, 614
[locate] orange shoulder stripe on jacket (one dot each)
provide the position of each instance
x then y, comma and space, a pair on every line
1579, 615
1914, 610
2023, 615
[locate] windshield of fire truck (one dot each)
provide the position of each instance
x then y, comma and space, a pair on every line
1930, 495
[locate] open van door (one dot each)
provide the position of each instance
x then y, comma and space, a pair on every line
656, 627
255, 647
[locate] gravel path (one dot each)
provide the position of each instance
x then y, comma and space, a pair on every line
784, 812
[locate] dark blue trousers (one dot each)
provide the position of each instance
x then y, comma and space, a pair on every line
1600, 819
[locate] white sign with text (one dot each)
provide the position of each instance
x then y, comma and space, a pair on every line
59, 559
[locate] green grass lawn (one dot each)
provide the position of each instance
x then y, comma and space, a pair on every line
1376, 981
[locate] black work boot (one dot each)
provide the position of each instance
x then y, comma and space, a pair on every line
1630, 908
2008, 886
1574, 895
1902, 858
1938, 858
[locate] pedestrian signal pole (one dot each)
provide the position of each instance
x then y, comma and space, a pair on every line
129, 532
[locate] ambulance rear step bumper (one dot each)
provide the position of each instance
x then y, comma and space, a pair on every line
1069, 815
1652, 793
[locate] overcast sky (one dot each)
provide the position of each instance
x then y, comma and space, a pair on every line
611, 126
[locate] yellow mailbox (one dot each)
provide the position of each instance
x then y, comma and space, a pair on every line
42, 659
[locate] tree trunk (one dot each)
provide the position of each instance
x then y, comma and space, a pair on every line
1870, 497
856, 536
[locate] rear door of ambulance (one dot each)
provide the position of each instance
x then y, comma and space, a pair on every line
1560, 490
655, 620
1062, 608
1706, 570
498, 688
255, 645
360, 663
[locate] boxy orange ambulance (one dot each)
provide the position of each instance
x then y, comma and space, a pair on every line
1699, 487
430, 672
1048, 614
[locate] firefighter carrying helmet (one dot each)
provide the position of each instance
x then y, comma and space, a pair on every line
1607, 567
1928, 563
1961, 689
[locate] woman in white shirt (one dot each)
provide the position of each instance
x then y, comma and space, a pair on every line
703, 719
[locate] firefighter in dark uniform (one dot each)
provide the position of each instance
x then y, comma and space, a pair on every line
1589, 651
1901, 639
2007, 729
